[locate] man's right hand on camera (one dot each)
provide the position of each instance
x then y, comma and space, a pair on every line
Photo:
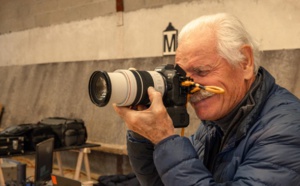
153, 123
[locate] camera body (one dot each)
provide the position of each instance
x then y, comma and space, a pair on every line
129, 88
175, 97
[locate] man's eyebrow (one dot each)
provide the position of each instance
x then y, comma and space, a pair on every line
200, 67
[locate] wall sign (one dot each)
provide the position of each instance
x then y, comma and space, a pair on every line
170, 36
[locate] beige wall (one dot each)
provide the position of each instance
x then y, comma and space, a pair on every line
274, 23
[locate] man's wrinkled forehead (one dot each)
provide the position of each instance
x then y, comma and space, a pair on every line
195, 51
197, 42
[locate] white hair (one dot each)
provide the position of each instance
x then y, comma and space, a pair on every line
231, 36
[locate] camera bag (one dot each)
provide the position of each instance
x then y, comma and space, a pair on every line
32, 134
67, 131
38, 134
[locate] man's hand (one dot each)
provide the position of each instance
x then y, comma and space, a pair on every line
153, 123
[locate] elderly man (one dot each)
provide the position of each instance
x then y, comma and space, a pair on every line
250, 135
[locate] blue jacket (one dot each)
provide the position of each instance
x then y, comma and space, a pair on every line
263, 150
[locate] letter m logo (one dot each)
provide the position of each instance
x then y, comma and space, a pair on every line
170, 40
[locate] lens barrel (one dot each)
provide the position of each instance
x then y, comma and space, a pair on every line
124, 87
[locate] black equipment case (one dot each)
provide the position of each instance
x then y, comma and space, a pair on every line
67, 131
11, 145
31, 134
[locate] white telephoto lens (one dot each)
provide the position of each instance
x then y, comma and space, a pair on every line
129, 87
123, 87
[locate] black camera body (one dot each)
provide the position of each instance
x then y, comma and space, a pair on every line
129, 88
175, 98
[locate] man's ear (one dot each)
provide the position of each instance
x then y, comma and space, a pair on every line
248, 62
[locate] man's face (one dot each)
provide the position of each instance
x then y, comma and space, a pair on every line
201, 62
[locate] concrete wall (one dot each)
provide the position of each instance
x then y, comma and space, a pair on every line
20, 15
49, 48
274, 23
